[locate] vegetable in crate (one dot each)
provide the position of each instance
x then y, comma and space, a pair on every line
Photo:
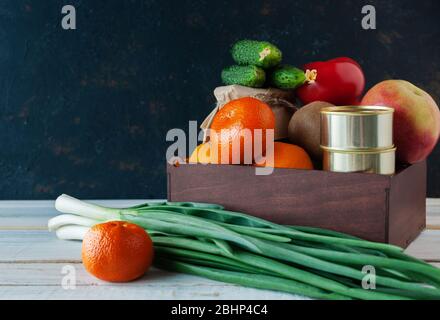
209, 241
305, 128
250, 76
287, 77
338, 81
259, 53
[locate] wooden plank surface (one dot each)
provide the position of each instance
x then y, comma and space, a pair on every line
31, 261
163, 292
44, 281
426, 246
433, 214
36, 246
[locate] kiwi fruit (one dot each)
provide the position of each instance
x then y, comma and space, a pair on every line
305, 128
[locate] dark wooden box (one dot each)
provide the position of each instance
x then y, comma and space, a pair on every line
375, 207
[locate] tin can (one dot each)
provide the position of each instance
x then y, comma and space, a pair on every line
366, 161
357, 127
358, 139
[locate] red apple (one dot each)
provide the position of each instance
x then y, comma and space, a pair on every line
416, 117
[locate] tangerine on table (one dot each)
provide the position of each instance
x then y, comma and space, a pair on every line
286, 155
117, 251
243, 113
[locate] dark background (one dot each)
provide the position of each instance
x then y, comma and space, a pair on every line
85, 112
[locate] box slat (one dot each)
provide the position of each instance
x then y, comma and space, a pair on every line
374, 207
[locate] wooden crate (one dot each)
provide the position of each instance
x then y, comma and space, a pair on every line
389, 209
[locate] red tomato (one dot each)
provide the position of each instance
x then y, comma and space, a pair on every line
338, 81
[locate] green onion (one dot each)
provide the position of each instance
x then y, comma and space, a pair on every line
246, 279
206, 240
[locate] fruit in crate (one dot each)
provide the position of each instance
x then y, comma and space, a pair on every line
282, 103
286, 155
339, 81
231, 123
304, 128
202, 154
416, 117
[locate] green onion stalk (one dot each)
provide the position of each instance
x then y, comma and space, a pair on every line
209, 241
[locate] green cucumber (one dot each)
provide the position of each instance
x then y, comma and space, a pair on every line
287, 77
249, 76
258, 53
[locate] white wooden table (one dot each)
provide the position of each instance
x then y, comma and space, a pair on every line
32, 262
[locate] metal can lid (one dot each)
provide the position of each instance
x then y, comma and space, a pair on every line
360, 150
357, 110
